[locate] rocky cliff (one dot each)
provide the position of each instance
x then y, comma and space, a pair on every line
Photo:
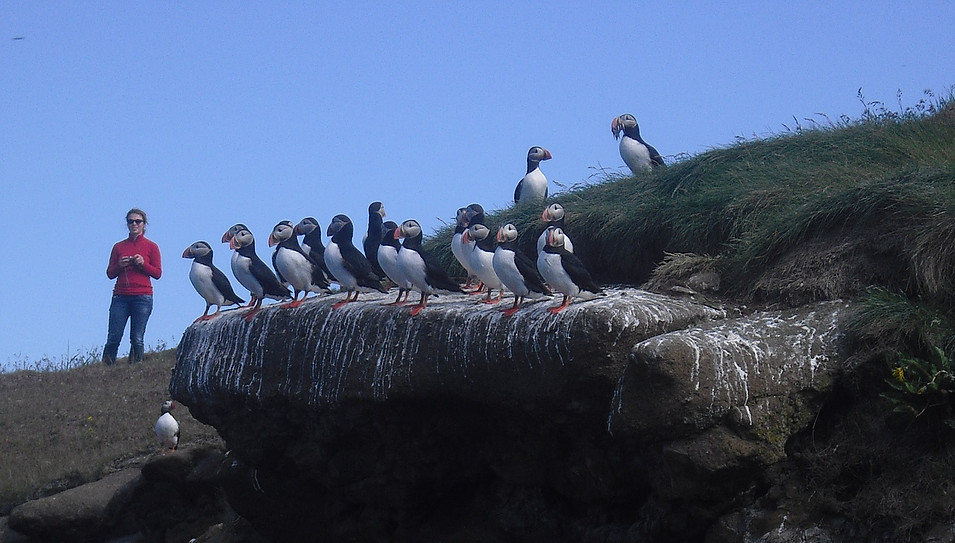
630, 417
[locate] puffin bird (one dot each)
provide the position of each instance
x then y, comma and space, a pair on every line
347, 264
253, 274
388, 258
209, 280
533, 186
167, 428
372, 239
562, 270
227, 238
312, 244
420, 268
294, 264
461, 251
553, 215
516, 270
639, 155
482, 257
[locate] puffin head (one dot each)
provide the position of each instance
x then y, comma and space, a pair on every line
476, 232
305, 226
281, 232
622, 123
537, 154
553, 212
376, 207
408, 229
197, 249
341, 225
168, 406
231, 231
474, 213
555, 236
462, 216
506, 233
241, 239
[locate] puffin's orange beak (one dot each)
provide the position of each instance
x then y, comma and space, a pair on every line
272, 241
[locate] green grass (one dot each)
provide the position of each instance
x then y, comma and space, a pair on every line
63, 427
753, 203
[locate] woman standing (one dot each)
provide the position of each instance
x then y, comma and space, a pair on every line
132, 262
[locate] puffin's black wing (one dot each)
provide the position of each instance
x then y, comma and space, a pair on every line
578, 272
517, 192
528, 269
655, 158
278, 274
360, 267
265, 276
436, 275
223, 285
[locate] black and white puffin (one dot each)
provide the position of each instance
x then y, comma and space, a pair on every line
347, 264
639, 155
167, 428
294, 264
553, 215
419, 267
372, 239
209, 280
482, 257
388, 258
311, 233
533, 186
253, 273
473, 214
516, 270
562, 270
227, 238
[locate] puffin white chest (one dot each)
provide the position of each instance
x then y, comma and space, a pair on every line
483, 264
336, 265
201, 277
635, 154
167, 431
241, 268
506, 269
533, 186
413, 267
294, 267
552, 270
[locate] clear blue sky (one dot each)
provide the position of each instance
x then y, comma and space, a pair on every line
209, 113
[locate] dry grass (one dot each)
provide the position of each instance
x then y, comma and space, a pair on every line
59, 429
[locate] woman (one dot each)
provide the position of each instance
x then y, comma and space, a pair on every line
132, 262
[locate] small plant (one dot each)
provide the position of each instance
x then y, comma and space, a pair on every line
923, 385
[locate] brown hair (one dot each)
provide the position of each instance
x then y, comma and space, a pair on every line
139, 212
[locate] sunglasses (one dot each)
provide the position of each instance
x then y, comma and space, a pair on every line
134, 221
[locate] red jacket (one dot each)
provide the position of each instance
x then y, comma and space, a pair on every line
134, 280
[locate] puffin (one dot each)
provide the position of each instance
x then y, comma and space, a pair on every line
533, 186
388, 258
227, 238
481, 259
553, 215
461, 251
372, 238
167, 428
562, 270
312, 244
420, 268
639, 155
516, 270
294, 264
253, 274
209, 280
352, 269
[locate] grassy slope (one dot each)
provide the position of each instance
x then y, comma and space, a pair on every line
62, 428
751, 203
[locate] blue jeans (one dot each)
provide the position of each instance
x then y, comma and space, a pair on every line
136, 309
